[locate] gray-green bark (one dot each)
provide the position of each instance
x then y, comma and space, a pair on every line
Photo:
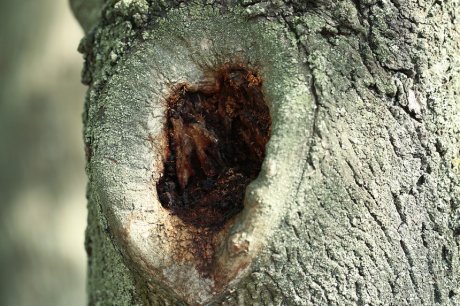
358, 199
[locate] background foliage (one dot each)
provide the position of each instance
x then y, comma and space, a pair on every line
42, 181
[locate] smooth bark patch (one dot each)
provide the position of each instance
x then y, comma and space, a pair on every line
217, 132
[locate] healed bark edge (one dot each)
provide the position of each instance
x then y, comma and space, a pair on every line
130, 144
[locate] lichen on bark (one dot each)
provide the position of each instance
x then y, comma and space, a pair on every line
375, 217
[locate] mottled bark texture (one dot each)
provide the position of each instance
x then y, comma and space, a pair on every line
372, 218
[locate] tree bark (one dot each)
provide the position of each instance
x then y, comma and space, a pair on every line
358, 199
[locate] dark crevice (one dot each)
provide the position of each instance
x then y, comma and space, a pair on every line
447, 258
394, 146
342, 31
437, 294
421, 180
410, 261
399, 208
315, 121
424, 238
440, 148
409, 73
456, 232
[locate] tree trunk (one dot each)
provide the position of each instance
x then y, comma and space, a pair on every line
357, 201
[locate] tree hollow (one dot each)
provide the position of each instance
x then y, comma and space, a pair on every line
217, 132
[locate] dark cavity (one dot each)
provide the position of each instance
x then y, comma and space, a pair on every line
216, 144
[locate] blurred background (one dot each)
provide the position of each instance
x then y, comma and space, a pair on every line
42, 179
